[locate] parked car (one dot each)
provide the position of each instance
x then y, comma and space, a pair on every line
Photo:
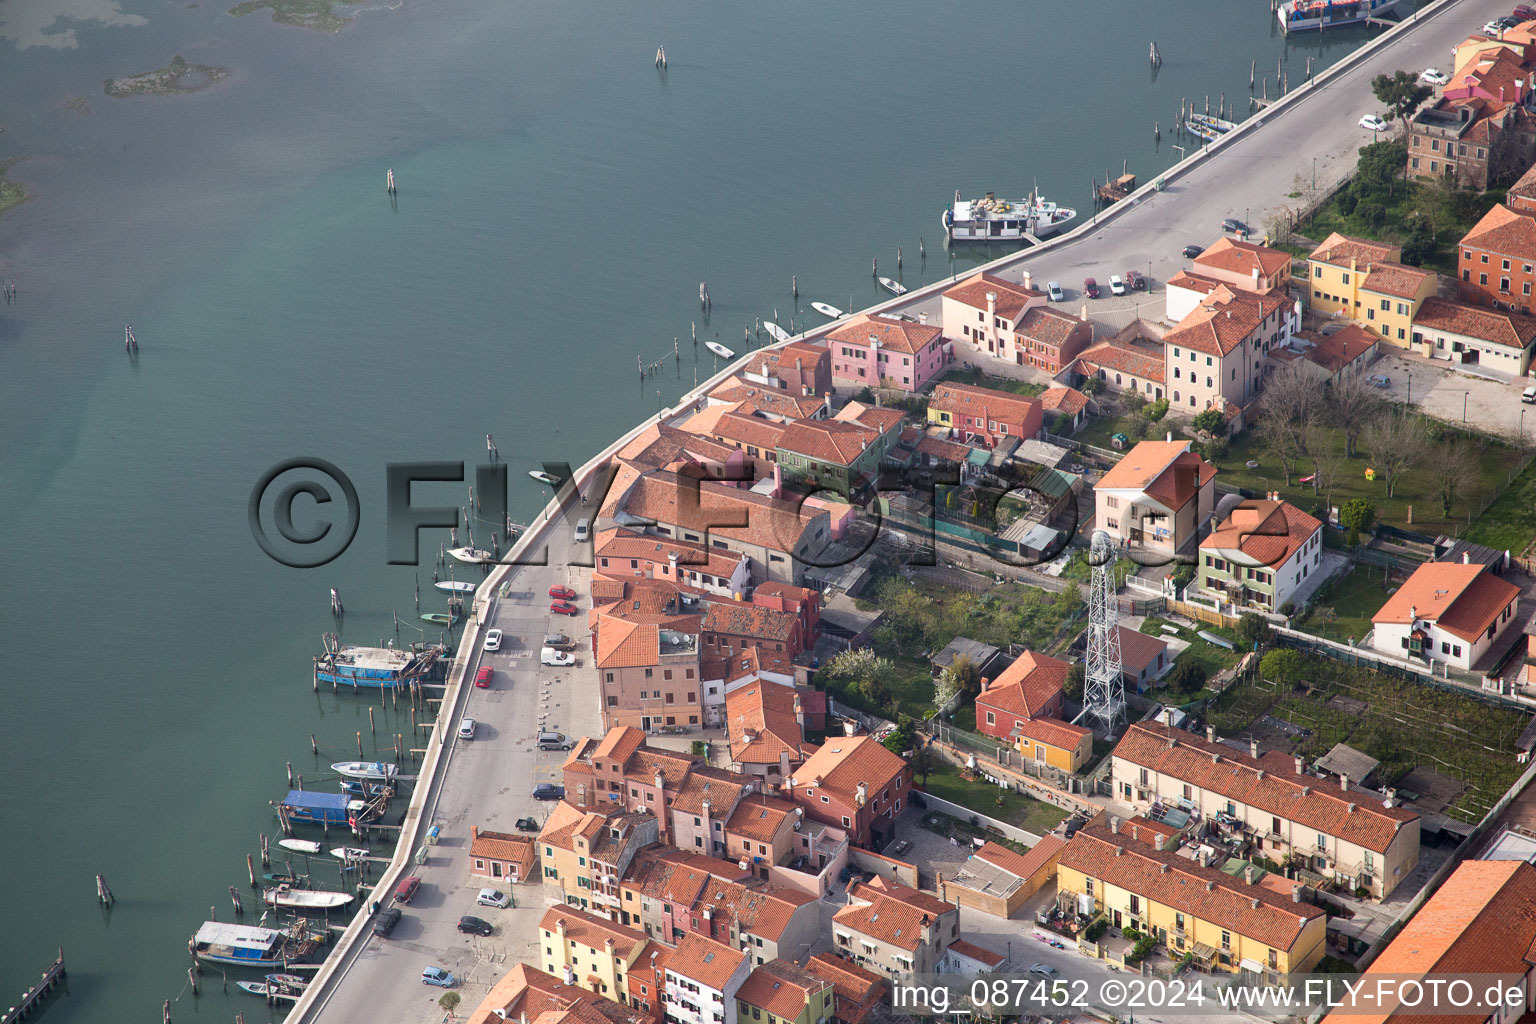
483, 677
1073, 826
1509, 21
559, 641
1528, 396
467, 729
1116, 285
472, 925
583, 531
493, 898
1135, 280
386, 921
406, 888
438, 976
1493, 28
562, 608
1090, 288
557, 659
1054, 293
1433, 76
563, 593
1191, 251
527, 825
553, 740
548, 791
493, 639
1236, 226
1045, 970
1371, 122
1379, 380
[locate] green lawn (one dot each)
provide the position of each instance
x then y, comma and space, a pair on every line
1451, 219
923, 616
960, 375
981, 796
1510, 522
1097, 430
1342, 609
1213, 658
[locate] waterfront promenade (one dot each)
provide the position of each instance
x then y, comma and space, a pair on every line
488, 781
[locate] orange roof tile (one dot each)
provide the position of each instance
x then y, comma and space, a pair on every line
761, 724
1012, 298
1339, 249
1395, 279
1027, 686
1053, 732
769, 522
1463, 599
1490, 325
1505, 232
1223, 319
1264, 532
845, 762
1068, 400
1335, 351
1138, 649
721, 788
705, 962
1238, 257
1023, 865
857, 991
781, 989
894, 335
1049, 326
1143, 361
760, 818
623, 644
892, 913
502, 846
977, 953
836, 442
969, 400
592, 931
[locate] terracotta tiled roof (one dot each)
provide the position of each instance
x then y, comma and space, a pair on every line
1265, 532
857, 991
1223, 319
1316, 804
742, 429
971, 401
674, 766
1490, 325
1049, 326
592, 931
1194, 282
1395, 279
1145, 830
526, 990
1011, 297
502, 846
626, 544
762, 908
881, 418
662, 873
1483, 919
561, 825
1525, 186
1140, 361
706, 962
1052, 731
944, 451
846, 761
739, 619
1187, 887
1022, 865
1164, 470
808, 352
1236, 257
1505, 232
620, 742
1068, 400
1138, 649
1339, 249
768, 522
1497, 72
894, 335
1335, 351
622, 644
1027, 686
836, 442
891, 913
1462, 599
759, 818
781, 989
721, 788
977, 953
1175, 488
760, 721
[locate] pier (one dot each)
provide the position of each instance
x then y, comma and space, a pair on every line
30, 999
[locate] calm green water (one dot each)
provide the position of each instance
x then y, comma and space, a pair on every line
559, 203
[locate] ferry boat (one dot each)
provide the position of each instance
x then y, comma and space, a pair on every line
247, 945
1298, 15
382, 667
990, 219
305, 899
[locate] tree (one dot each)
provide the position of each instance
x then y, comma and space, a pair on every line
1376, 177
1419, 247
1157, 410
1254, 628
1281, 665
1092, 386
1290, 405
1453, 466
924, 763
1397, 442
1401, 92
1187, 677
1370, 213
1060, 424
1352, 403
1356, 516
863, 673
1133, 401
1072, 687
1211, 421
900, 739
449, 1001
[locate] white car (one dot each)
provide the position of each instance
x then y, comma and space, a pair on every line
492, 898
1054, 293
1116, 284
1493, 28
467, 729
493, 639
1433, 76
558, 659
1373, 123
1045, 970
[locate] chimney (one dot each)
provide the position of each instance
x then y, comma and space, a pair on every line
1248, 874
1306, 790
1119, 851
1253, 748
1413, 614
826, 402
922, 318
991, 310
1254, 903
799, 720
1466, 558
659, 779
1210, 734
862, 796
1157, 841
1084, 315
765, 368
560, 931
672, 559
1173, 741
1026, 279
1351, 808
1215, 757
1301, 766
474, 832
1114, 824
706, 810
1344, 782
1255, 278
1295, 894
984, 682
784, 763
1135, 830
1162, 869
608, 946
1168, 436
1210, 886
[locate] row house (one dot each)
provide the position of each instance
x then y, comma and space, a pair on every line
894, 929
649, 674
984, 416
752, 665
778, 992
800, 368
1496, 261
843, 454
995, 317
872, 350
858, 993
527, 993
1450, 612
700, 980
752, 399
761, 833
1125, 366
703, 804
660, 894
1362, 280
856, 784
585, 853
588, 951
730, 627
1225, 923
1496, 342
1022, 707
620, 770
1156, 498
1215, 355
625, 554
1261, 553
997, 881
803, 603
1318, 824
755, 437
765, 729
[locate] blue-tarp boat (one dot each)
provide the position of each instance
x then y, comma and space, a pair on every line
315, 807
240, 944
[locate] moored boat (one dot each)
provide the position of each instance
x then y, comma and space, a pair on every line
287, 980
545, 478
349, 853
305, 899
300, 845
382, 667
439, 618
283, 878
990, 219
1203, 131
267, 989
720, 350
893, 286
243, 945
473, 556
1296, 15
370, 770
775, 332
827, 310
454, 586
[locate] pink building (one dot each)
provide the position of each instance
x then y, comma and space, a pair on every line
881, 351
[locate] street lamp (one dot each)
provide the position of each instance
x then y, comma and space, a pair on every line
1410, 389
1464, 395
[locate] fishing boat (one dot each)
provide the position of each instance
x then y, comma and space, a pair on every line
1203, 131
990, 219
246, 945
267, 990
454, 586
382, 667
284, 877
719, 350
370, 770
312, 807
300, 845
775, 332
349, 853
544, 478
1297, 15
439, 618
474, 556
356, 787
894, 287
305, 899
287, 980
826, 310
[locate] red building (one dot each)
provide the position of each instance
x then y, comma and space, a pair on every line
983, 414
855, 784
1497, 260
1029, 688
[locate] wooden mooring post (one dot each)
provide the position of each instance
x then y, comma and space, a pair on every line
103, 893
34, 995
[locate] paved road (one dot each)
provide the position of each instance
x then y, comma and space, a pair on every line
489, 782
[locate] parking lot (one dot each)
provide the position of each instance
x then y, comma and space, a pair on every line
1484, 404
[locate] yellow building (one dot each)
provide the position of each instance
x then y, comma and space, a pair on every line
585, 853
778, 992
587, 951
1363, 280
1057, 743
1226, 923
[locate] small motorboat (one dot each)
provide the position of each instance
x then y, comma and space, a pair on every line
455, 586
287, 980
439, 618
301, 845
719, 350
544, 478
894, 287
267, 990
474, 556
371, 770
356, 787
775, 332
826, 310
349, 853
283, 878
305, 899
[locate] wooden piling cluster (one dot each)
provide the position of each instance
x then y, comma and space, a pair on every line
52, 977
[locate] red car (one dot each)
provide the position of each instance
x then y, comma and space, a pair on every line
483, 677
562, 608
563, 593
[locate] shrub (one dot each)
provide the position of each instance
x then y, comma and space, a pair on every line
1096, 930
1212, 422
449, 1000
1283, 666
1254, 628
1187, 677
1157, 410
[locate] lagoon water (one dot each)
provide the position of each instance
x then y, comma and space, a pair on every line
560, 201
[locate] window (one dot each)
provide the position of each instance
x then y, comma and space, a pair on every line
991, 718
846, 822
1088, 886
1482, 279
1189, 791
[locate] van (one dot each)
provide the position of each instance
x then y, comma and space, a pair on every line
1528, 396
555, 659
553, 740
559, 641
467, 729
583, 530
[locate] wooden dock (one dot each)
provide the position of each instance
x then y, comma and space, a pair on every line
30, 999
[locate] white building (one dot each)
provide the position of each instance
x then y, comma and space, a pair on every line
701, 981
1261, 553
1447, 611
